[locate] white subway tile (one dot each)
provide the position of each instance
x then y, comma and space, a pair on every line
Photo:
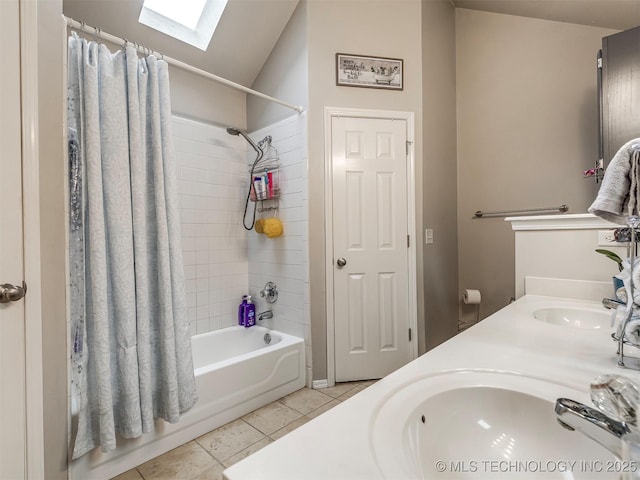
189, 272
202, 313
202, 299
218, 252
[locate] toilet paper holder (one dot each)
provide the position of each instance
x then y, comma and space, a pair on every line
472, 297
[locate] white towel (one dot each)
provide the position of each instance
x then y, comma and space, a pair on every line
619, 194
631, 309
632, 330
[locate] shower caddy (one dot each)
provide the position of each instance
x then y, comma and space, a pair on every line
265, 183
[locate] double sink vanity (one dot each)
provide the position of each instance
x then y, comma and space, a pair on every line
479, 406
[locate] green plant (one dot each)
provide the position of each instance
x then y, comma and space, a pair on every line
612, 255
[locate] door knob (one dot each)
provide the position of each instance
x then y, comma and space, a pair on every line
11, 293
341, 262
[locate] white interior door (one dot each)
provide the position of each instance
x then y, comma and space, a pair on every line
370, 246
12, 336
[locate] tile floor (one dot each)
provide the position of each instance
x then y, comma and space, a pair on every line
207, 456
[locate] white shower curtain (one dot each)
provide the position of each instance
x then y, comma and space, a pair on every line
131, 355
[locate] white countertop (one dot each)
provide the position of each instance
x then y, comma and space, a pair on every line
337, 444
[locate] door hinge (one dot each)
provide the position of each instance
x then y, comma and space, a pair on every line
600, 62
409, 334
408, 241
408, 143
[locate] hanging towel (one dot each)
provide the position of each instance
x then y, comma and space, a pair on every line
619, 194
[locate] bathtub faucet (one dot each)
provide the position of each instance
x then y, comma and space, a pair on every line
264, 315
270, 292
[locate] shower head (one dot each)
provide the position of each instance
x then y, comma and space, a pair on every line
236, 132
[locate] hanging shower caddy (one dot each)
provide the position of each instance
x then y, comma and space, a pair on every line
265, 182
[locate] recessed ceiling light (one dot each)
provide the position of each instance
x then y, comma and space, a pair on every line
191, 21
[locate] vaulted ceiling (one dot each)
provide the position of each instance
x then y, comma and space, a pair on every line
249, 29
241, 44
615, 14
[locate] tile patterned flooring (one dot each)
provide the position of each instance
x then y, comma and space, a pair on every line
207, 456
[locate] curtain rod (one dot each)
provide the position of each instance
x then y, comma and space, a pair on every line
83, 27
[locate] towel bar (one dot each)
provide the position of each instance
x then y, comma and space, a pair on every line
480, 214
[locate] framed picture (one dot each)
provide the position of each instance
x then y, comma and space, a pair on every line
369, 72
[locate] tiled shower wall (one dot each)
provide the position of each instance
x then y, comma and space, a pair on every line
284, 260
222, 260
212, 183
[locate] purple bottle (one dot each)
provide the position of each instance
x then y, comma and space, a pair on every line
241, 310
249, 313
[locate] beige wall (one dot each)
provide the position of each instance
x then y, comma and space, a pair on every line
192, 95
382, 28
198, 98
526, 99
439, 171
283, 76
525, 130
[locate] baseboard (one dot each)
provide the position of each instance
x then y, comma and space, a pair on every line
317, 384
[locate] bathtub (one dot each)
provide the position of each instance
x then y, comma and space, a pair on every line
237, 370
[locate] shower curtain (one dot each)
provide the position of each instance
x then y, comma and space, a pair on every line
131, 345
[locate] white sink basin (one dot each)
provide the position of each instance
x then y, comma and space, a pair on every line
480, 425
590, 319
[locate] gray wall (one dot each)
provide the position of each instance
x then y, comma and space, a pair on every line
526, 96
192, 95
439, 177
382, 28
198, 98
525, 128
284, 75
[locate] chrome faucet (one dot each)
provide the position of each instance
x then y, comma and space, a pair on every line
265, 315
611, 303
593, 423
616, 398
270, 292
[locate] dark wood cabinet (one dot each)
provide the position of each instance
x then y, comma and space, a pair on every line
620, 91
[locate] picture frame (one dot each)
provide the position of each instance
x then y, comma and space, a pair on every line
369, 72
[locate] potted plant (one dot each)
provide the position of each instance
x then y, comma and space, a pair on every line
612, 255
617, 282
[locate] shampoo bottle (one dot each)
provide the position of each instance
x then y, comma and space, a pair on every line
241, 310
249, 313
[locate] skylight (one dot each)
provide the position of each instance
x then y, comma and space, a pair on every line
184, 13
191, 21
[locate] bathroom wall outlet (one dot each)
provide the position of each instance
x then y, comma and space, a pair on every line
428, 236
607, 239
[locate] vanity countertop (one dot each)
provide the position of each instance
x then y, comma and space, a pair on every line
337, 444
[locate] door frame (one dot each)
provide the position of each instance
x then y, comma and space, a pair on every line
31, 249
329, 114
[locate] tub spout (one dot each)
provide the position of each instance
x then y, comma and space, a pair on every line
264, 315
591, 422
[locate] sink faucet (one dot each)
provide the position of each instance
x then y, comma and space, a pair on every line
611, 303
593, 423
616, 397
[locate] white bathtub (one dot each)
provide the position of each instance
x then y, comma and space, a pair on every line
236, 372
